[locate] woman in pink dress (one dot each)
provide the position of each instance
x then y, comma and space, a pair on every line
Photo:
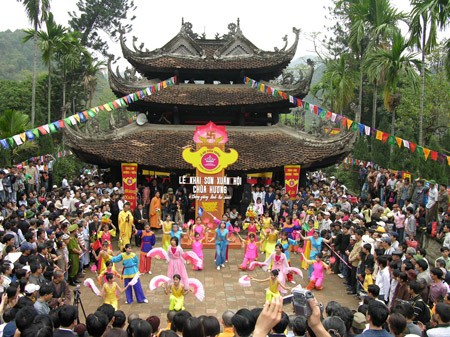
279, 261
176, 262
199, 228
197, 248
251, 251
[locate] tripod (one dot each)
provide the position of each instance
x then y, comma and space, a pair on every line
77, 302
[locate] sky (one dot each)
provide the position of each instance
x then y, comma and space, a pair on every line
262, 22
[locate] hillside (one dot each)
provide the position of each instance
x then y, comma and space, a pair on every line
16, 58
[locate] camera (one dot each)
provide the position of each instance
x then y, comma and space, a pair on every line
300, 299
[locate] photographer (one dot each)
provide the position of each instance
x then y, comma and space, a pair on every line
272, 313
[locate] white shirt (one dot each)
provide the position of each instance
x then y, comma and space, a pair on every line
383, 280
64, 183
277, 205
66, 202
432, 197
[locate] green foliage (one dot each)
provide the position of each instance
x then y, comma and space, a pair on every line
12, 123
97, 17
16, 58
69, 166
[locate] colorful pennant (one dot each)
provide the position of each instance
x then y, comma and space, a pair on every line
83, 116
350, 124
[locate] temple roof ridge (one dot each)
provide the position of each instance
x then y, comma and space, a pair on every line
188, 50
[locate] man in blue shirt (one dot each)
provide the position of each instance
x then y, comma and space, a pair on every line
377, 314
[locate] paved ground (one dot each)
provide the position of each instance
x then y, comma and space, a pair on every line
221, 287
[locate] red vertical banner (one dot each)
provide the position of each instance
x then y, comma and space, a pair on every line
129, 181
291, 179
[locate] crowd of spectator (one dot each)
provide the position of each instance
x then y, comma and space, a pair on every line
376, 245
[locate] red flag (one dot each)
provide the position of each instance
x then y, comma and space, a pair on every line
412, 146
299, 103
385, 137
434, 155
344, 122
316, 109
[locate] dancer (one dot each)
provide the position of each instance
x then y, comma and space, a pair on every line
148, 240
287, 243
166, 228
197, 248
130, 269
251, 250
274, 285
103, 256
176, 232
270, 239
110, 269
177, 291
198, 227
266, 222
176, 263
109, 291
105, 234
252, 226
317, 275
221, 238
279, 261
315, 247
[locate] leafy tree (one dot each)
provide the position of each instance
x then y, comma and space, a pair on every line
426, 17
50, 41
36, 12
91, 70
12, 123
70, 55
96, 16
338, 83
393, 65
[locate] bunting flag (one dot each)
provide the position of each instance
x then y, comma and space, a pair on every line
85, 115
59, 154
348, 123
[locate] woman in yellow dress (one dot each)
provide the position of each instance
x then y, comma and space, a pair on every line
266, 221
274, 285
103, 256
177, 292
270, 240
166, 227
109, 291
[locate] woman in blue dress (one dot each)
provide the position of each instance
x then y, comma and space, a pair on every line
221, 238
316, 246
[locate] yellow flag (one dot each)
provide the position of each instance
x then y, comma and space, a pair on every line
379, 135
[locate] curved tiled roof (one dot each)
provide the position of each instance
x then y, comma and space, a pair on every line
187, 54
160, 147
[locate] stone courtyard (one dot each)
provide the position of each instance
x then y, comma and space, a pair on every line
222, 290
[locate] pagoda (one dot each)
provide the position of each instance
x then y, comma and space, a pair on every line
209, 87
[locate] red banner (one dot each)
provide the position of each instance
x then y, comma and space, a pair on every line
291, 179
129, 181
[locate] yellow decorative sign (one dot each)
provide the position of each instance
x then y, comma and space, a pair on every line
210, 161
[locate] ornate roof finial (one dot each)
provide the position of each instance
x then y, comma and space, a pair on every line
182, 21
238, 28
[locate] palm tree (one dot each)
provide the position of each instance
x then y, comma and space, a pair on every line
12, 123
338, 84
371, 23
36, 12
92, 67
427, 16
391, 65
50, 41
71, 54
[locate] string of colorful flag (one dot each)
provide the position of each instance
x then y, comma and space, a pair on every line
83, 116
59, 154
365, 163
350, 124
